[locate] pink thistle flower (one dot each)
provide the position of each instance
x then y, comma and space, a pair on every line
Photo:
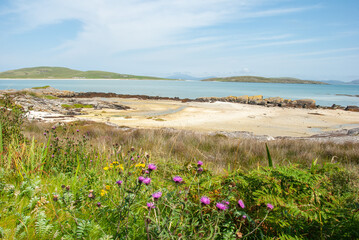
156, 195
270, 206
150, 205
151, 167
119, 182
200, 170
177, 179
221, 206
147, 181
225, 202
241, 203
140, 179
205, 200
199, 163
244, 216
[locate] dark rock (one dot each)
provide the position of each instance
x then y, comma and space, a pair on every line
352, 108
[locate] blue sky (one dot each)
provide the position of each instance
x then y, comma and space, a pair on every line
308, 39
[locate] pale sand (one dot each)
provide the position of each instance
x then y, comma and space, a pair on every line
220, 116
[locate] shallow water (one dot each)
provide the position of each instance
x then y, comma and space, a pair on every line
325, 95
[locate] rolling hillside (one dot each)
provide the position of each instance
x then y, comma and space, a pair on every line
65, 73
263, 80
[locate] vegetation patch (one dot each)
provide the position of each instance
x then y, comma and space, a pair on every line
43, 87
76, 105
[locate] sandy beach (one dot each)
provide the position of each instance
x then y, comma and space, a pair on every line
222, 116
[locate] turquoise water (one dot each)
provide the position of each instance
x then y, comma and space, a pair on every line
325, 95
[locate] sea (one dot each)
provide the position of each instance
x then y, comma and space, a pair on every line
324, 95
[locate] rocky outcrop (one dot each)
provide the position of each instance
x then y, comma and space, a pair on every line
352, 108
258, 100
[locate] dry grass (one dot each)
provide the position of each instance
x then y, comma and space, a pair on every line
220, 152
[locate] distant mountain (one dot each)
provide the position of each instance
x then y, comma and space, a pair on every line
65, 73
340, 82
187, 77
263, 80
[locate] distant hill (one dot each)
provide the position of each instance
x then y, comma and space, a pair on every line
65, 73
355, 82
263, 80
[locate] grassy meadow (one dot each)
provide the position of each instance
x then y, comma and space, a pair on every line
86, 180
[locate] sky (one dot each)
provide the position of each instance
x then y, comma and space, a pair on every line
307, 39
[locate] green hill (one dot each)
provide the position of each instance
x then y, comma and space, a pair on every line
263, 80
64, 73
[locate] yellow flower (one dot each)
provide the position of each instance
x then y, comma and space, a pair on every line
120, 166
115, 162
103, 192
105, 168
108, 187
140, 165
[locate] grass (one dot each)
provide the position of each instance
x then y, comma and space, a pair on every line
43, 87
64, 73
76, 105
82, 181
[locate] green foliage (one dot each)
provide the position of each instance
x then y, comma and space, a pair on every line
43, 87
76, 105
64, 188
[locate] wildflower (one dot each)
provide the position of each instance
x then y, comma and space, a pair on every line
106, 168
52, 155
98, 204
140, 179
108, 187
53, 127
132, 148
225, 202
44, 134
67, 188
200, 170
205, 200
244, 216
221, 206
199, 163
132, 159
270, 206
156, 195
147, 181
63, 186
56, 197
177, 179
151, 167
115, 162
103, 192
77, 130
140, 165
91, 195
147, 172
150, 205
241, 203
119, 182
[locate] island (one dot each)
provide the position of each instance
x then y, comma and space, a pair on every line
67, 73
257, 79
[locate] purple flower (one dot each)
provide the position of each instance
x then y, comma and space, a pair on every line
140, 179
157, 195
98, 204
44, 134
119, 182
225, 202
132, 158
177, 179
150, 205
53, 127
199, 163
147, 181
205, 200
200, 170
270, 206
221, 206
52, 155
77, 130
151, 167
241, 203
244, 216
147, 172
